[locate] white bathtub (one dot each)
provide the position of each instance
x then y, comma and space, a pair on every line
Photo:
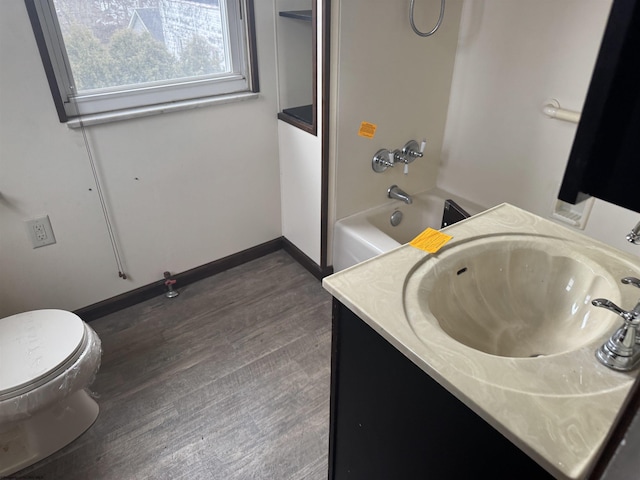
369, 233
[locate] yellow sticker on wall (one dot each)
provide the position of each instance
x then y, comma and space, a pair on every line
367, 130
430, 240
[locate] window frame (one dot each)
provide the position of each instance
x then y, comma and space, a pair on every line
122, 102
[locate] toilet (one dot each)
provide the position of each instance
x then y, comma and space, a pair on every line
48, 358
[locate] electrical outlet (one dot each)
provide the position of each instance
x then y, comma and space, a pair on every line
40, 231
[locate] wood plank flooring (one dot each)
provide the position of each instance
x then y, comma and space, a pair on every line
230, 380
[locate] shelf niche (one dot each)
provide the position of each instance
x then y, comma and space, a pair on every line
297, 71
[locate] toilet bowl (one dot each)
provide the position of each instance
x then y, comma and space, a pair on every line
47, 360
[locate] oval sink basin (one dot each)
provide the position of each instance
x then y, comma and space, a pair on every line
515, 296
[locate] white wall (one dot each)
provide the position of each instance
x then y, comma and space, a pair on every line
499, 147
300, 151
301, 175
184, 188
387, 75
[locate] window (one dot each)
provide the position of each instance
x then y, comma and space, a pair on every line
109, 56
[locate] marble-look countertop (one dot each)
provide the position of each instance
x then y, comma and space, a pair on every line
557, 408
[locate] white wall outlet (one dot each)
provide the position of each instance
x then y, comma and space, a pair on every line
40, 231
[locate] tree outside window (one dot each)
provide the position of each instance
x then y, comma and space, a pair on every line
113, 43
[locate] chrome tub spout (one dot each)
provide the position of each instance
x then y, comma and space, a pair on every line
397, 193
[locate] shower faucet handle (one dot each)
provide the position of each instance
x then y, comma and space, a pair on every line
412, 150
382, 160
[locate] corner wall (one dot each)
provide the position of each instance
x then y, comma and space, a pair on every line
184, 188
499, 147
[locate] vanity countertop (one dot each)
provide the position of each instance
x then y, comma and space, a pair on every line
558, 408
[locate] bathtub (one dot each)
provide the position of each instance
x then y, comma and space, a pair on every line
369, 233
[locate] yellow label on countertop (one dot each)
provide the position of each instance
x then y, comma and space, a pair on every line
367, 130
430, 240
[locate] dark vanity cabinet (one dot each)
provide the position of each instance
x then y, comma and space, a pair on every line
390, 420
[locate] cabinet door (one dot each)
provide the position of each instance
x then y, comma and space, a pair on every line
390, 420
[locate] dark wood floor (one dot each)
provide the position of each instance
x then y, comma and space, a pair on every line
230, 380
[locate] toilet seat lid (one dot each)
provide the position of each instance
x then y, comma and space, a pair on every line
32, 344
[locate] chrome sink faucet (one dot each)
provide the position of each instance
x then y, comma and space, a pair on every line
397, 193
622, 350
634, 235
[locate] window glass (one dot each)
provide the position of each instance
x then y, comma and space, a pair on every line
116, 54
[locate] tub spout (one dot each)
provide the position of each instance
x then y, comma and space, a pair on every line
397, 193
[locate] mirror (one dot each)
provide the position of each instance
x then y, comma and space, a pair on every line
605, 157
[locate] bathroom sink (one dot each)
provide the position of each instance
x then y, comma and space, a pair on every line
501, 316
516, 295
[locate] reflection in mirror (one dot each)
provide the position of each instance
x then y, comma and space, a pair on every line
605, 157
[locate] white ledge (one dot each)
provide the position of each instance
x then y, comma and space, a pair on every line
99, 118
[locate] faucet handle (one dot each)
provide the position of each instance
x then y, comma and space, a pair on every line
634, 235
609, 305
382, 160
622, 350
632, 317
412, 150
